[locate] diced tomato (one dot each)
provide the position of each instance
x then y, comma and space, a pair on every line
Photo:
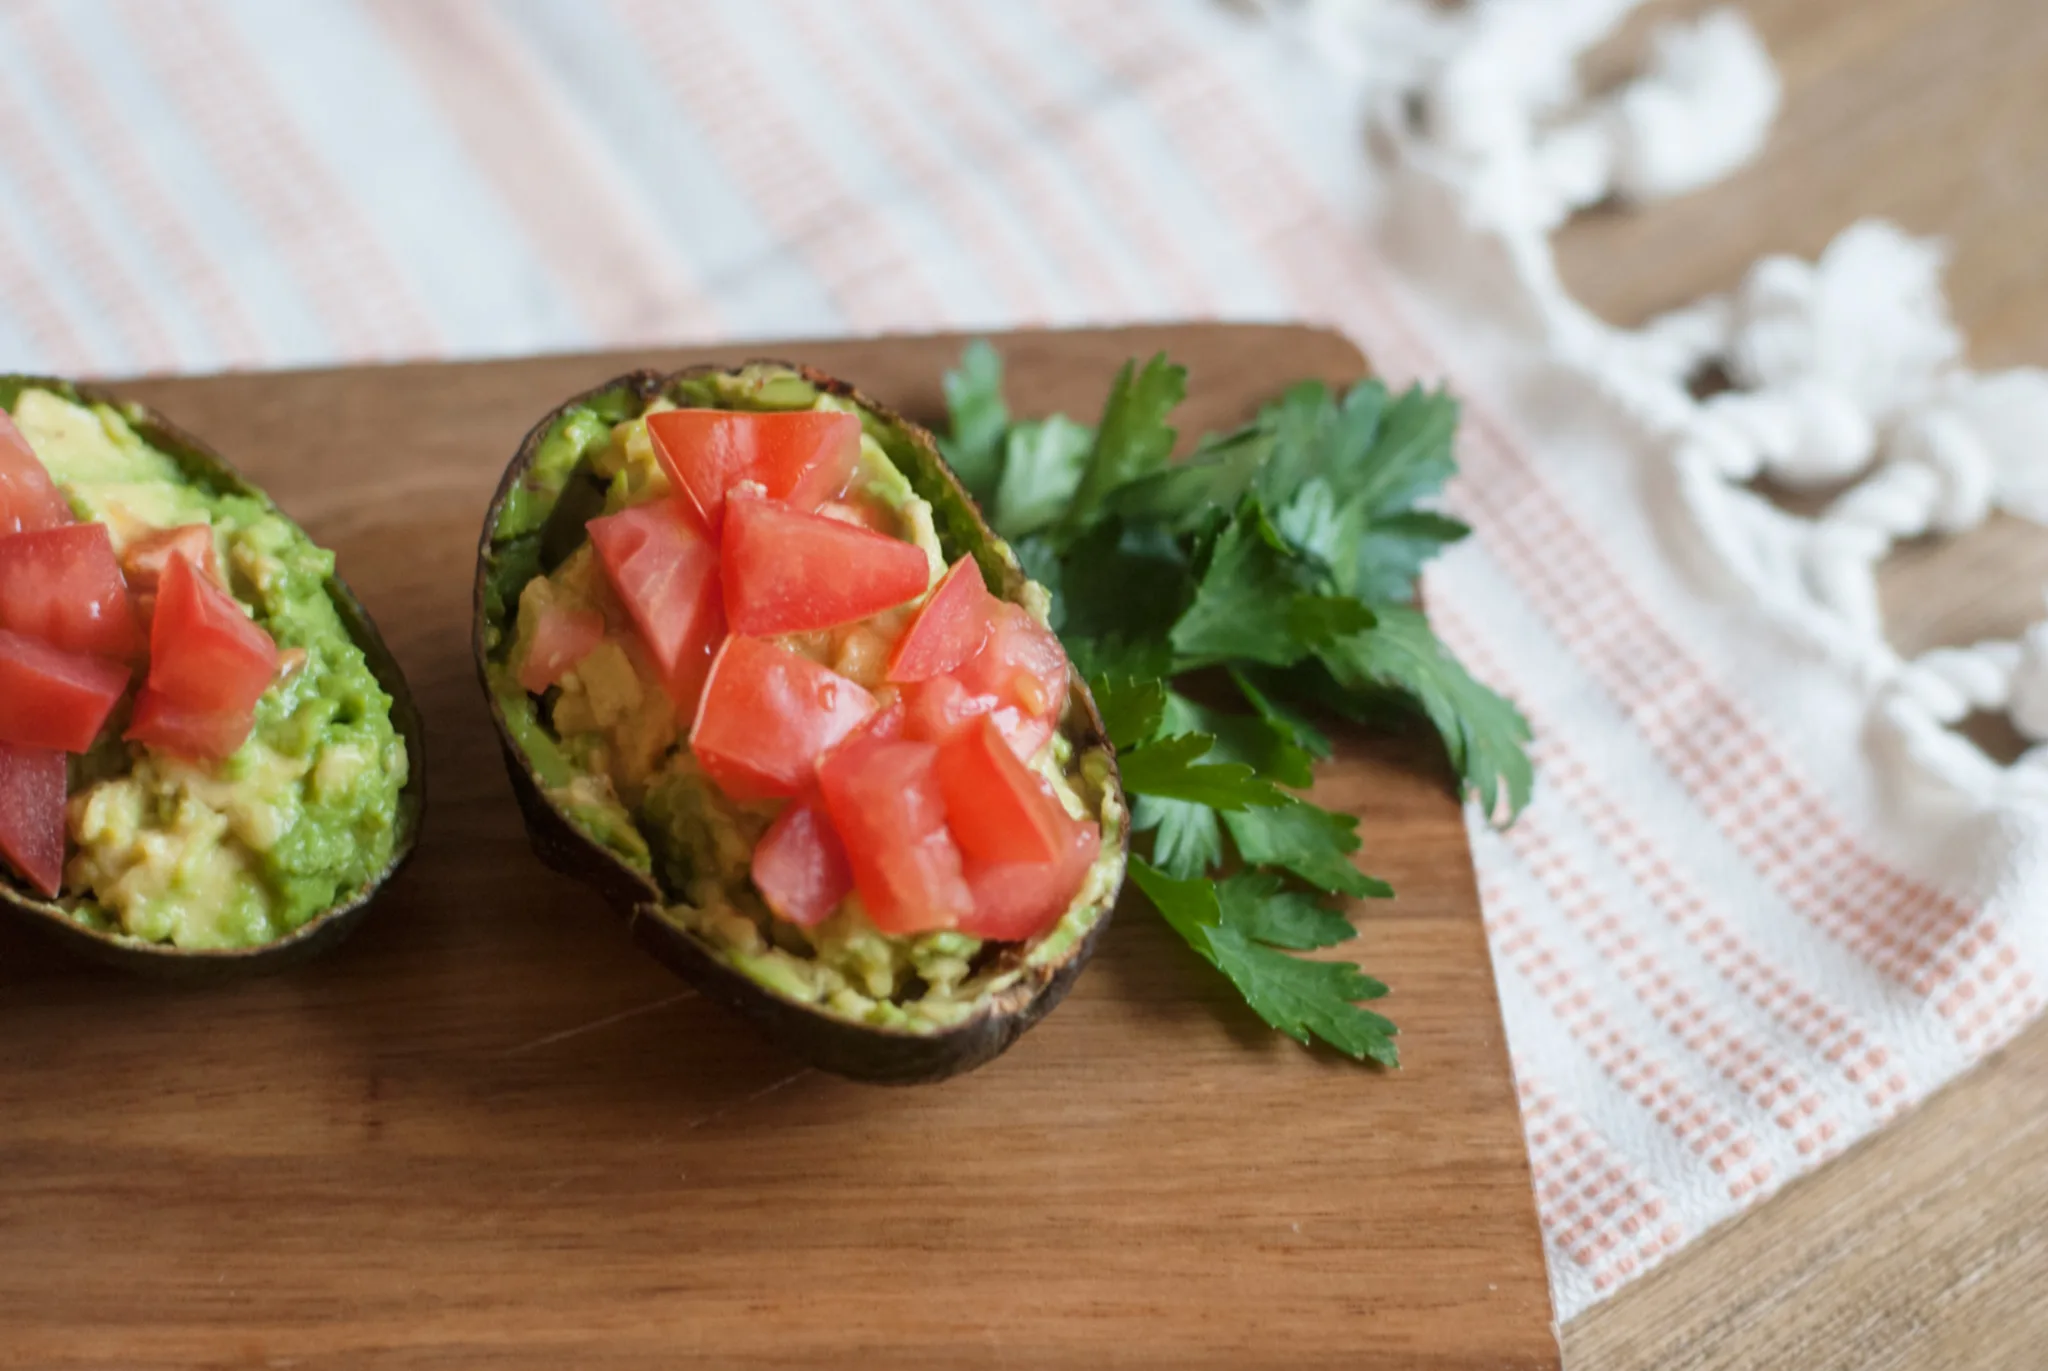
32, 814
800, 865
940, 708
768, 715
29, 499
144, 559
64, 586
52, 699
998, 808
663, 564
1014, 901
205, 653
205, 734
801, 458
885, 800
1022, 664
950, 629
562, 637
788, 572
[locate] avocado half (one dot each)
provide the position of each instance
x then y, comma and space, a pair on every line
831, 1042
323, 931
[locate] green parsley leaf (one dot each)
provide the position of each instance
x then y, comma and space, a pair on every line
974, 402
1314, 843
1256, 601
1250, 739
1484, 734
1042, 464
1260, 905
1215, 477
1133, 440
1187, 839
1286, 719
1172, 769
1124, 582
1302, 998
1131, 709
1392, 552
1408, 457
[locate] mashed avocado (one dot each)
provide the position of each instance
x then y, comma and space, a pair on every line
241, 852
607, 747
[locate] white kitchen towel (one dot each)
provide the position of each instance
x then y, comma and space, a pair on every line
1765, 898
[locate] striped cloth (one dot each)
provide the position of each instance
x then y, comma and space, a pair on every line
1714, 974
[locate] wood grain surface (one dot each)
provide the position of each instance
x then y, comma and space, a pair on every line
489, 1131
1921, 1250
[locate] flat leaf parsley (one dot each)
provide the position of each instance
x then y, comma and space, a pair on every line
1283, 558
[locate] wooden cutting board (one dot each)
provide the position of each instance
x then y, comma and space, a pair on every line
488, 1131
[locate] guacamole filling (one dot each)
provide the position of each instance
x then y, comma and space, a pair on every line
608, 749
239, 852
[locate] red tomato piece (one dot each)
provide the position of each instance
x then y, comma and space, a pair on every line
940, 708
64, 586
768, 715
663, 564
998, 808
205, 652
884, 798
562, 638
801, 459
790, 572
55, 700
1022, 664
29, 499
144, 559
32, 814
1014, 901
800, 864
950, 629
189, 731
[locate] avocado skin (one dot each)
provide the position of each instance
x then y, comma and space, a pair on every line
880, 1056
317, 935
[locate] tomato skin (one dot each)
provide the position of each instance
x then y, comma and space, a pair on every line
1022, 664
939, 709
799, 458
663, 565
63, 585
145, 559
29, 500
884, 798
32, 815
951, 628
56, 701
1014, 901
205, 653
561, 639
800, 865
786, 571
768, 714
202, 734
998, 809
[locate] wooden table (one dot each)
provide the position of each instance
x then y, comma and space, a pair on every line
1922, 1248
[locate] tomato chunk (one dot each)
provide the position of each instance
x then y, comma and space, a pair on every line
29, 499
32, 815
144, 559
884, 798
54, 700
949, 630
1022, 664
940, 708
663, 564
63, 585
768, 715
561, 638
801, 458
189, 731
998, 808
789, 572
205, 653
1018, 900
800, 864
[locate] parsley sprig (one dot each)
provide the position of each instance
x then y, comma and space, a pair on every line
1282, 559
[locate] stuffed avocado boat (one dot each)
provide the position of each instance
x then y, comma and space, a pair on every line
208, 758
765, 678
